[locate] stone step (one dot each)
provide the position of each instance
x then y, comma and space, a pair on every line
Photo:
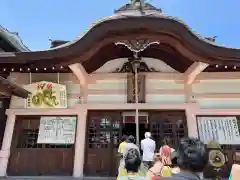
54, 178
59, 178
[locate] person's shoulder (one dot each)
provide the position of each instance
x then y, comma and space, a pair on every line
135, 146
167, 178
170, 178
152, 140
132, 177
123, 178
122, 143
128, 145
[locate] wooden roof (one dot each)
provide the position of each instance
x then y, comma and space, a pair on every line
10, 42
179, 47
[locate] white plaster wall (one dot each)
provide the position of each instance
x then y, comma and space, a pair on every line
68, 79
220, 88
219, 104
217, 86
105, 91
114, 84
107, 99
165, 99
164, 91
158, 84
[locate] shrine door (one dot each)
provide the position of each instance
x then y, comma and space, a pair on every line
102, 139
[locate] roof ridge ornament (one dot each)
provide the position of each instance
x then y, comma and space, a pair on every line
139, 5
212, 39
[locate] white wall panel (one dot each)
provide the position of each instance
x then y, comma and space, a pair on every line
165, 99
109, 99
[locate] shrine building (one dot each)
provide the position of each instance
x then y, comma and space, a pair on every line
64, 110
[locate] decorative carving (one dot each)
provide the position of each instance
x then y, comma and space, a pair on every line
213, 39
127, 68
138, 5
137, 1
131, 90
137, 45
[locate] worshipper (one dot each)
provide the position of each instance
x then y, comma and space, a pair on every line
165, 154
174, 165
148, 146
155, 170
132, 166
167, 142
192, 157
130, 145
121, 149
160, 167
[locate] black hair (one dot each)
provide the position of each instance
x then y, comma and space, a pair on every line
132, 160
167, 141
131, 139
192, 155
124, 138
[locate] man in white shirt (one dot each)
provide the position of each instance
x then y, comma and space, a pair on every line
148, 147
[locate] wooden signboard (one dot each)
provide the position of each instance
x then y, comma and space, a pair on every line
57, 130
131, 90
222, 129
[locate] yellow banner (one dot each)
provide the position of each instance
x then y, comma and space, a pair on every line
46, 95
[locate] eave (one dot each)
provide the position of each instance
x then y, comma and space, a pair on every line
164, 29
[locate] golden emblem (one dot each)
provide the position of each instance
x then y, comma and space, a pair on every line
44, 96
216, 158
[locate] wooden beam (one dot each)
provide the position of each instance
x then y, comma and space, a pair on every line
5, 91
83, 77
8, 88
80, 72
195, 69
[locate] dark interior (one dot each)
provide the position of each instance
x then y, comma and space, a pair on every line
130, 129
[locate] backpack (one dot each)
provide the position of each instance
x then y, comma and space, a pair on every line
131, 153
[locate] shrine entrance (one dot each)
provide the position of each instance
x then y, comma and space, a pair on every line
129, 124
105, 128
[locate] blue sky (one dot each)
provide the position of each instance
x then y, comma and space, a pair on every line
37, 21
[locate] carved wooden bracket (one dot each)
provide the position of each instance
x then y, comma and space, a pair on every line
137, 45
